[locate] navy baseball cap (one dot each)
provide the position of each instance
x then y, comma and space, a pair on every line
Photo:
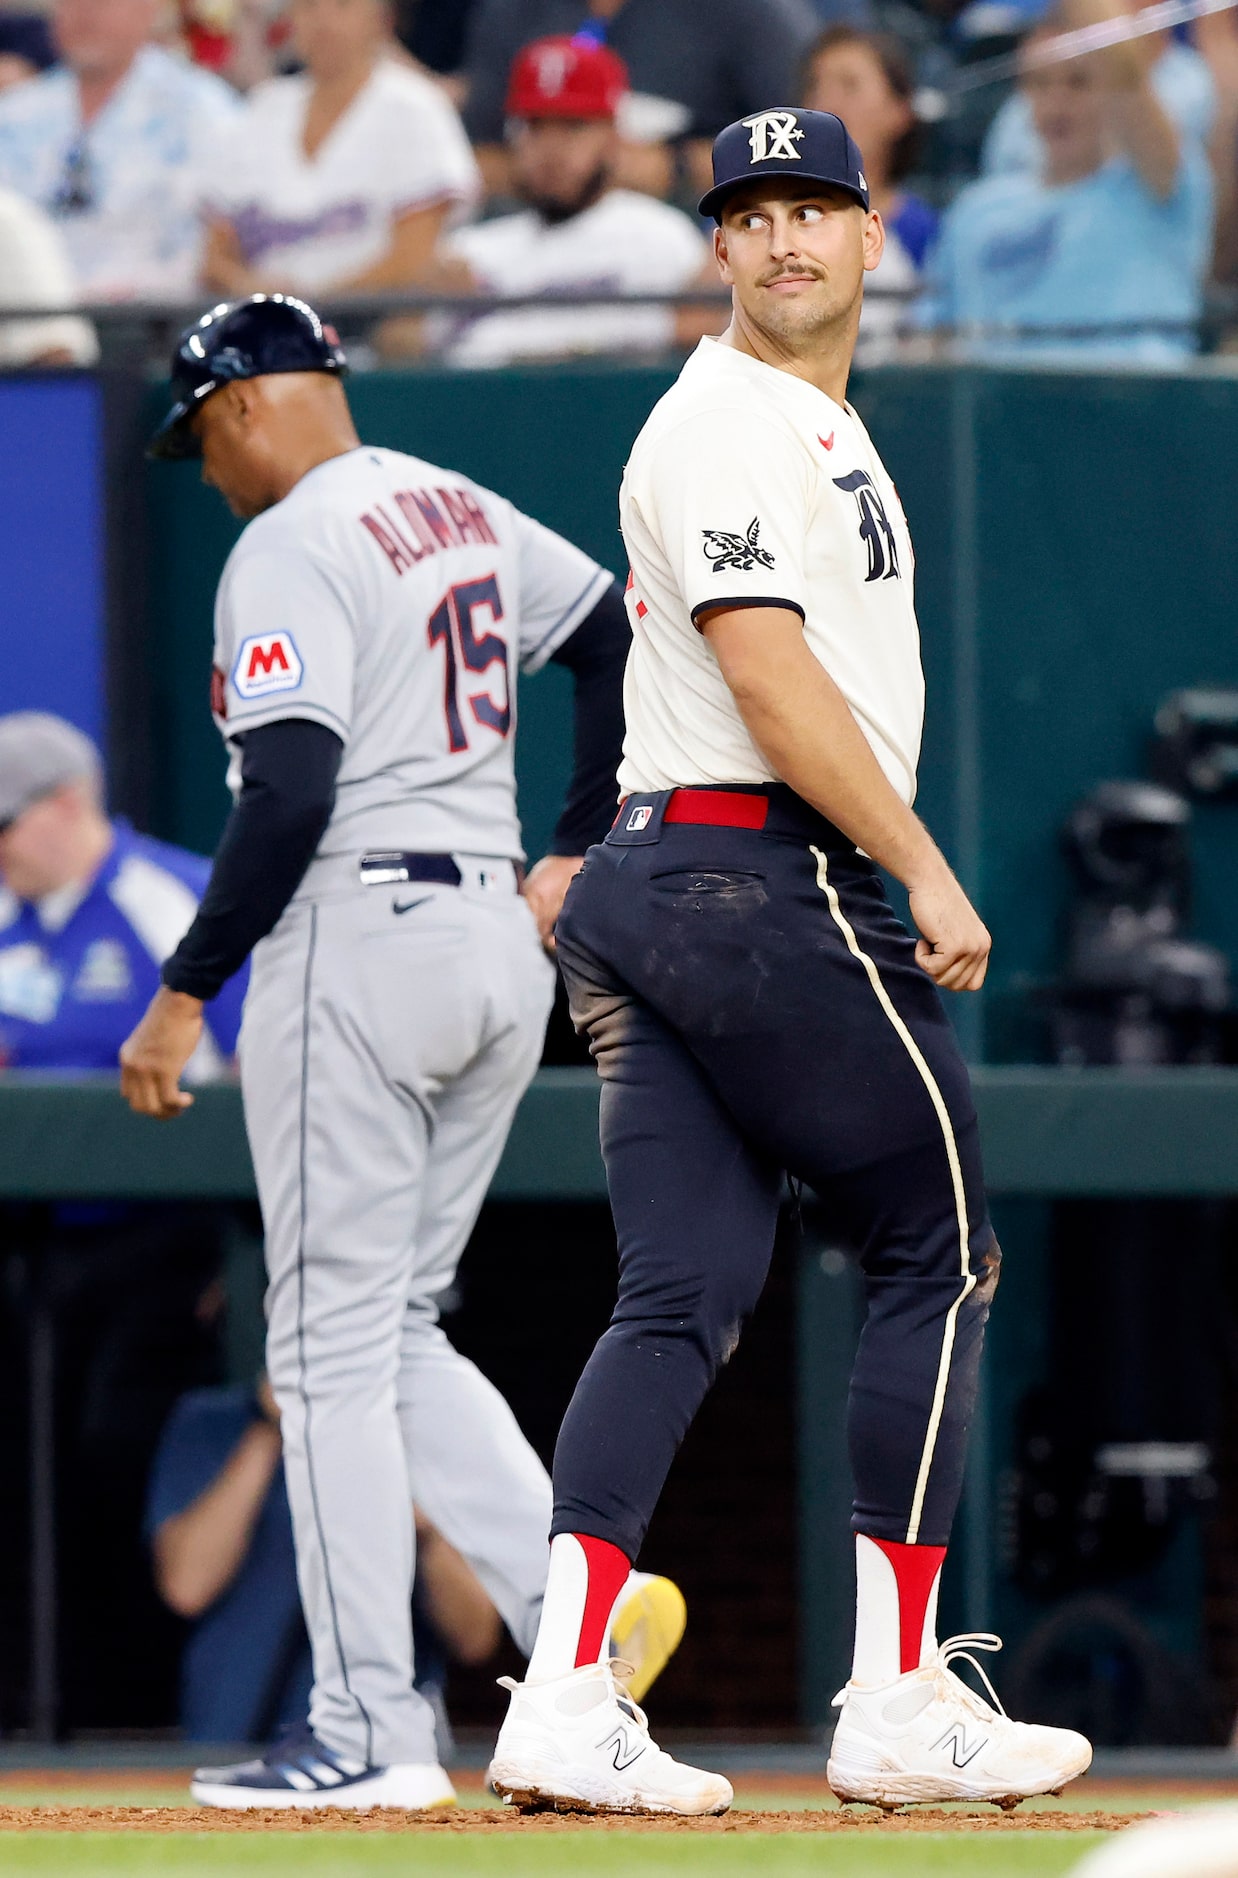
27, 36
269, 332
811, 146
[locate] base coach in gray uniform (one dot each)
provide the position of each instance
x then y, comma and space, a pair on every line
370, 626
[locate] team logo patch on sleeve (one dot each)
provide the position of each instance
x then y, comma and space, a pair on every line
268, 662
724, 549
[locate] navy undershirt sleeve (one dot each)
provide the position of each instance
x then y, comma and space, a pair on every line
288, 773
595, 654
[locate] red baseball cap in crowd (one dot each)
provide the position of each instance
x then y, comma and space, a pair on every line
565, 77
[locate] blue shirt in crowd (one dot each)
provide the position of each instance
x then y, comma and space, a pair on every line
1100, 251
1181, 80
246, 1666
78, 968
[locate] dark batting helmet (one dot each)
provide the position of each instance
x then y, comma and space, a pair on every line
269, 332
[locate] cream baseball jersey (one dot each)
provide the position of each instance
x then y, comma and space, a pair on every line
749, 486
396, 603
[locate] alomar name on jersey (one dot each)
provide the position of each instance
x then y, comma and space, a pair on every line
426, 526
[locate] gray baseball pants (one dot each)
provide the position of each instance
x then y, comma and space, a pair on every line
383, 1055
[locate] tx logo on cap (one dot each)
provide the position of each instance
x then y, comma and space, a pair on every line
771, 134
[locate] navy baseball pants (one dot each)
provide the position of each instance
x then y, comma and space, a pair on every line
755, 1008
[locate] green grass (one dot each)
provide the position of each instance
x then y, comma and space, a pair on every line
584, 1855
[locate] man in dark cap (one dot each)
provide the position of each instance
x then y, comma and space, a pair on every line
757, 1011
89, 910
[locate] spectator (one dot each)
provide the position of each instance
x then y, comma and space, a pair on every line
692, 72
221, 1539
339, 179
34, 272
866, 79
1178, 75
578, 232
110, 143
88, 911
25, 47
1114, 233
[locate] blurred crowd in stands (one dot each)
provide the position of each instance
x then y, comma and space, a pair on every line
156, 151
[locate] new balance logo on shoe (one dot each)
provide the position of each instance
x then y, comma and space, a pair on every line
961, 1749
626, 1750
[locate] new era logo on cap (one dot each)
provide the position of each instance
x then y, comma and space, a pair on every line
773, 134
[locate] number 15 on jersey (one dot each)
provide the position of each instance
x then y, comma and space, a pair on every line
467, 650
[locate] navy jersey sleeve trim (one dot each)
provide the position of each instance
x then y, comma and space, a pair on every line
737, 600
596, 654
288, 774
568, 622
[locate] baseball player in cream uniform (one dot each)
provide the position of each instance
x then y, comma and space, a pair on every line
757, 1010
370, 626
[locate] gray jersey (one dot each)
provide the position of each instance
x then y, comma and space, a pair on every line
388, 1039
396, 603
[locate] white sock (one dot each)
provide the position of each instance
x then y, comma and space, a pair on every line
896, 1589
578, 1605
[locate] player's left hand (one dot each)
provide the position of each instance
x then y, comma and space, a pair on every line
546, 889
153, 1056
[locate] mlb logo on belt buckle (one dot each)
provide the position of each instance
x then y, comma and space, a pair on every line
639, 818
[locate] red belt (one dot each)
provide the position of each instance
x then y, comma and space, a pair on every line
717, 808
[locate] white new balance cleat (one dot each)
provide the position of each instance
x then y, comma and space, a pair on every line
927, 1736
580, 1744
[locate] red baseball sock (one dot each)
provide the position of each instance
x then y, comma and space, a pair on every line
896, 1607
583, 1585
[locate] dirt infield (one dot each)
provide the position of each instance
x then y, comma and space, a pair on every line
490, 1820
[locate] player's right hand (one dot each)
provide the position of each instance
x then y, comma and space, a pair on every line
546, 889
153, 1056
954, 949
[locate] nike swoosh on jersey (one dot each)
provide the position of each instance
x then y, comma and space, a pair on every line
827, 443
407, 906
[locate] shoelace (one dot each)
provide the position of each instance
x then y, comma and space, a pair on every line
962, 1646
621, 1673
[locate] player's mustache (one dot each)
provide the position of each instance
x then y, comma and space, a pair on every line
791, 273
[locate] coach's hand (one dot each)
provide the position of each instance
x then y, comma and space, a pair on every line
955, 948
546, 889
153, 1056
